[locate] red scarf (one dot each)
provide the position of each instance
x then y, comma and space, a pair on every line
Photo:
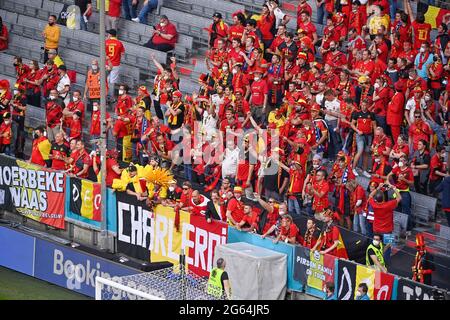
423, 58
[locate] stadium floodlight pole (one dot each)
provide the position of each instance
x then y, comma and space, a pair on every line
104, 239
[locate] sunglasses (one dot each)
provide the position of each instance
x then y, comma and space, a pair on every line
185, 188
417, 117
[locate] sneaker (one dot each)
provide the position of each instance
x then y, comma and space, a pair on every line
136, 20
366, 174
355, 172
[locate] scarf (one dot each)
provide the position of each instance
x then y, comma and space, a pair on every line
423, 58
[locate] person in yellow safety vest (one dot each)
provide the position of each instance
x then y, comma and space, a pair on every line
375, 254
218, 281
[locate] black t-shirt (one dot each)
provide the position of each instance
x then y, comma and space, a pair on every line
223, 277
179, 120
371, 252
82, 4
363, 121
271, 180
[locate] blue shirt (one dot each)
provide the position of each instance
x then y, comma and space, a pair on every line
423, 72
330, 297
364, 297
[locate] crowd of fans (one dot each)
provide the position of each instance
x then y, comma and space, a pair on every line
281, 125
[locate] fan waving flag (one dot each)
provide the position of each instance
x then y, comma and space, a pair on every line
434, 15
85, 199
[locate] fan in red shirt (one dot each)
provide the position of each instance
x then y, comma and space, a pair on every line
249, 220
303, 6
259, 95
237, 29
59, 152
22, 72
328, 241
76, 104
437, 168
94, 130
319, 190
217, 30
401, 26
80, 161
3, 36
164, 37
235, 206
288, 231
311, 234
198, 204
5, 134
395, 108
123, 108
419, 130
234, 56
265, 24
114, 49
383, 210
421, 29
308, 27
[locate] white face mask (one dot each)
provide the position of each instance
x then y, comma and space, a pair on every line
238, 198
401, 164
94, 67
75, 99
257, 78
171, 189
376, 242
358, 294
7, 122
376, 85
281, 213
315, 166
234, 71
411, 78
162, 24
427, 98
95, 108
52, 97
377, 160
224, 68
422, 50
121, 92
16, 92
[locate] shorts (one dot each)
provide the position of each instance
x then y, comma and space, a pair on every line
113, 76
363, 142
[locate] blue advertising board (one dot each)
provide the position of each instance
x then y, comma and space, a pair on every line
288, 249
16, 250
74, 269
88, 223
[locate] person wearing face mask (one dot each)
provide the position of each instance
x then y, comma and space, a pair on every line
164, 37
424, 60
123, 109
274, 214
329, 291
63, 85
94, 129
53, 114
6, 134
92, 86
22, 72
19, 107
375, 254
235, 207
76, 104
421, 29
51, 35
48, 78
259, 97
40, 150
403, 179
32, 88
53, 54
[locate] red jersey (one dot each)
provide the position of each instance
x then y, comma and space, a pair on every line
288, 232
169, 29
5, 129
384, 216
436, 164
53, 113
265, 25
114, 50
421, 33
95, 122
419, 130
319, 204
110, 173
395, 107
237, 209
236, 32
59, 151
258, 90
359, 194
406, 173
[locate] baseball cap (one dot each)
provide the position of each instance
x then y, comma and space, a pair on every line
217, 15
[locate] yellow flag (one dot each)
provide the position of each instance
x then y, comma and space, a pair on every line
366, 275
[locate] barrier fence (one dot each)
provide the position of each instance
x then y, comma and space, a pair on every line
52, 198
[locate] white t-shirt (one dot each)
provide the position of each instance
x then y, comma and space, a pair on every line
209, 125
279, 16
230, 162
217, 100
64, 81
411, 106
332, 106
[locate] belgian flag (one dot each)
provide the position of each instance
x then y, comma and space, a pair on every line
434, 15
85, 199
